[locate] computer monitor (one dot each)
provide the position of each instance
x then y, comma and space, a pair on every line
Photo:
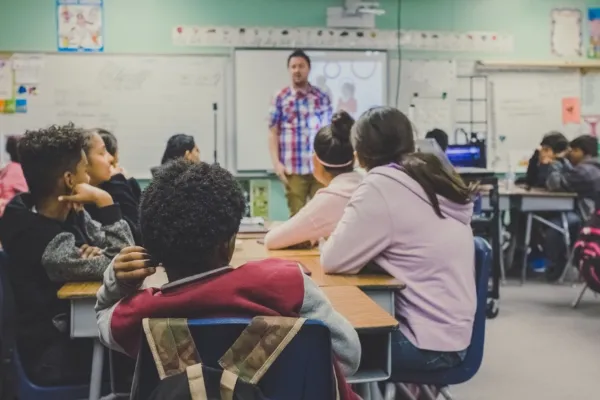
470, 155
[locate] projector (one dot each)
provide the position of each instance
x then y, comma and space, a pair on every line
363, 7
354, 14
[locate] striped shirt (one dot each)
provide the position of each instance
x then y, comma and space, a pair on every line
298, 116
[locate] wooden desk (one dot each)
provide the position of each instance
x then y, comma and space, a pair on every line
361, 311
349, 301
252, 250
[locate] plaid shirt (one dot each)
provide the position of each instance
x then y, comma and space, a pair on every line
299, 116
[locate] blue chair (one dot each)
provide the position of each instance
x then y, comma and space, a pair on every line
469, 367
26, 390
303, 371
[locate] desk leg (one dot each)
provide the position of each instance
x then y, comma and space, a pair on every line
526, 248
567, 236
97, 364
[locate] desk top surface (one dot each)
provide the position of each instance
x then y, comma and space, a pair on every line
350, 301
358, 308
521, 191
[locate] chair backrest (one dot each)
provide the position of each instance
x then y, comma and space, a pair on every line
302, 371
469, 367
483, 262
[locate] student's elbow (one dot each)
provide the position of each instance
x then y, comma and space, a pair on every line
350, 360
272, 241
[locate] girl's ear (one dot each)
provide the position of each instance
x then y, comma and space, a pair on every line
187, 154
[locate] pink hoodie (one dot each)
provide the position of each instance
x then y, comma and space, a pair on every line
319, 217
12, 182
390, 221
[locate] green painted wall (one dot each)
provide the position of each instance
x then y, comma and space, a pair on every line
144, 26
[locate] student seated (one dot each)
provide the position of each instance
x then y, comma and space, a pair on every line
411, 217
190, 214
440, 137
50, 240
333, 161
12, 180
103, 174
179, 146
579, 173
552, 148
112, 147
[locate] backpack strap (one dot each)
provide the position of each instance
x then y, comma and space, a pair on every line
171, 344
259, 345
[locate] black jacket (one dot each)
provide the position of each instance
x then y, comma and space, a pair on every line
43, 254
126, 193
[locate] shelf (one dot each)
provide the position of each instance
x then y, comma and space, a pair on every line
517, 65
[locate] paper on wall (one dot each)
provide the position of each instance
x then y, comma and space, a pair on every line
27, 68
566, 33
6, 79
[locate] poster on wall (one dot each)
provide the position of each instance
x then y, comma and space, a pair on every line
80, 25
566, 32
594, 29
259, 197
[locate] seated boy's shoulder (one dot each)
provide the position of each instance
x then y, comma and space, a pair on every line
272, 266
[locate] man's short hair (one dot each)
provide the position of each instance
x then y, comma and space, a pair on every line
187, 211
298, 53
46, 154
555, 141
588, 145
439, 136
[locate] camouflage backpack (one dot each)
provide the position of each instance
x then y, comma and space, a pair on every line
184, 377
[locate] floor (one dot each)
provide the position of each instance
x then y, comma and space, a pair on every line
539, 348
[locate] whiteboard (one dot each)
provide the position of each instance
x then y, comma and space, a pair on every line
430, 87
526, 105
260, 74
143, 100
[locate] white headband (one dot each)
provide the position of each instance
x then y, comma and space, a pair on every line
334, 165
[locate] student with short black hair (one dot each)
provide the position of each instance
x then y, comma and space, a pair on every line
579, 173
50, 240
333, 161
411, 217
440, 137
553, 147
107, 175
190, 214
12, 180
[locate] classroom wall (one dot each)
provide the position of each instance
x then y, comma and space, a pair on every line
144, 26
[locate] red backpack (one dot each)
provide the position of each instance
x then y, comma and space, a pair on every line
587, 252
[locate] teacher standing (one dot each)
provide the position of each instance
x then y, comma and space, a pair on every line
297, 113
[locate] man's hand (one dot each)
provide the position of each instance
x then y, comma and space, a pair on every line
89, 251
281, 173
133, 264
87, 194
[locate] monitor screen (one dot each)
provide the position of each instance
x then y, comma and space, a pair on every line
466, 155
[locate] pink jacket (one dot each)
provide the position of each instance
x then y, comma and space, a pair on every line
12, 182
319, 217
390, 221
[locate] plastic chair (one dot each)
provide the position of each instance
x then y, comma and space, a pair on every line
303, 371
26, 389
469, 367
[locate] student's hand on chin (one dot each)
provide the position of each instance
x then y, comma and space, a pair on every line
133, 264
84, 193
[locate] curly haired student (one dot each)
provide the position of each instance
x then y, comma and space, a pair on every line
50, 240
190, 215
